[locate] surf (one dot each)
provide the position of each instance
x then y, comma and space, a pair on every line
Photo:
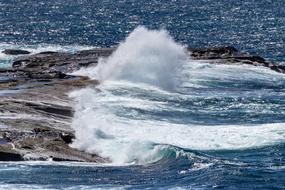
148, 85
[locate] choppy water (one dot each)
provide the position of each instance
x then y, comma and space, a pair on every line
166, 121
256, 26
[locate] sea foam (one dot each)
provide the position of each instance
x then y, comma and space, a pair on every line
146, 56
111, 120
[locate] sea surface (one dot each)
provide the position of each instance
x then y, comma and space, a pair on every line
164, 120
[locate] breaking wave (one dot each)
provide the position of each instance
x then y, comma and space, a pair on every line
154, 102
145, 56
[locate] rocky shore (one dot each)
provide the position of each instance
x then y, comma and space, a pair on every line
36, 112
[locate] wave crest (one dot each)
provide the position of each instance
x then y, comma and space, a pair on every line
138, 79
146, 56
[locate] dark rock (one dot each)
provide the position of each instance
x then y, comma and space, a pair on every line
211, 53
230, 55
49, 66
6, 156
51, 109
67, 138
40, 130
15, 52
42, 145
48, 52
48, 75
59, 61
7, 136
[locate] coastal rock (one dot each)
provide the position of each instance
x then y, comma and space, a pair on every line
36, 112
57, 65
67, 137
15, 52
230, 55
213, 53
60, 61
41, 145
8, 154
37, 118
49, 67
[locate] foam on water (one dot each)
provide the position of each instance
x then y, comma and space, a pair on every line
50, 187
147, 69
24, 164
5, 60
100, 130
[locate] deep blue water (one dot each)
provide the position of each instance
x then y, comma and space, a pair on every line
256, 26
217, 96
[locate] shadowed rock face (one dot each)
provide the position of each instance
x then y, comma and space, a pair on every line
15, 52
35, 121
230, 55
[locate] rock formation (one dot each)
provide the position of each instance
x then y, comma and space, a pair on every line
36, 113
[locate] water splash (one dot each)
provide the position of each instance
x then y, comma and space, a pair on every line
138, 78
146, 56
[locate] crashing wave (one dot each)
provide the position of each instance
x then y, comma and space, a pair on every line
136, 79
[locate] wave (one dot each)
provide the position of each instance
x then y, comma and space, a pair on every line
148, 80
146, 56
99, 128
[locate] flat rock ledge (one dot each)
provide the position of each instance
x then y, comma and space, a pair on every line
36, 112
35, 123
230, 55
15, 52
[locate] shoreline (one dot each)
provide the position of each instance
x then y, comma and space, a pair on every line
36, 118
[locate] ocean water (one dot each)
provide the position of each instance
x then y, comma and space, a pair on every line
164, 120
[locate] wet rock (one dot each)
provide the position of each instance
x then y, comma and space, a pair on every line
39, 144
9, 83
15, 52
48, 75
39, 119
213, 53
39, 116
60, 61
8, 154
67, 137
50, 67
230, 55
55, 65
40, 130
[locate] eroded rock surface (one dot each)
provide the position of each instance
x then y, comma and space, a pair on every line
35, 110
35, 123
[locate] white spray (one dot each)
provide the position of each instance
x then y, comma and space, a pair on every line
144, 65
146, 56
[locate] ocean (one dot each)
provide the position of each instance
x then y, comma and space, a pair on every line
164, 120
